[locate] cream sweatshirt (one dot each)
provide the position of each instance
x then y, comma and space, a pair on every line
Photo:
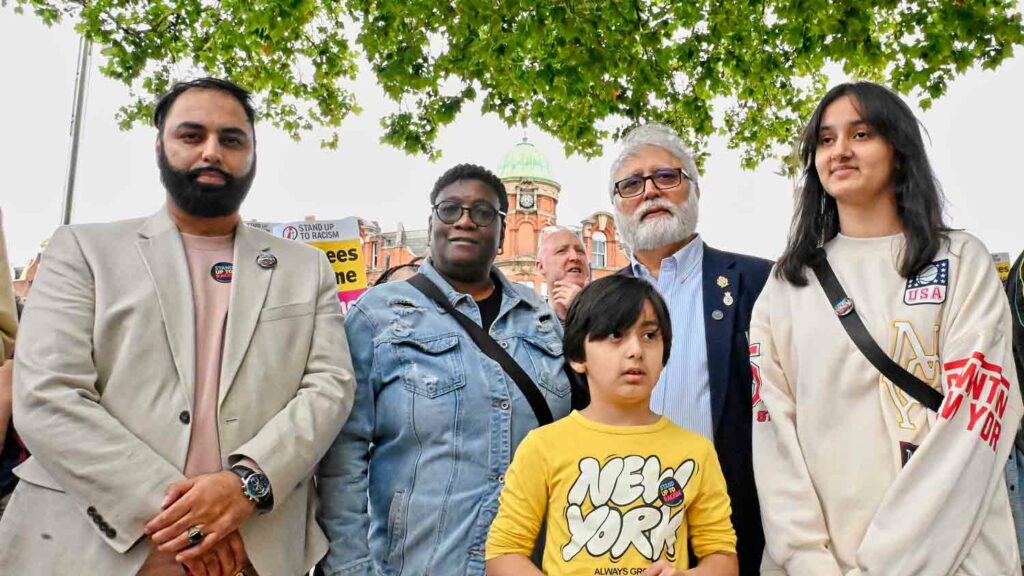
854, 476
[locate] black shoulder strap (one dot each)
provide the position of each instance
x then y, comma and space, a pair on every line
488, 346
843, 306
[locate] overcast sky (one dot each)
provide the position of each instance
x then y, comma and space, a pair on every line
976, 148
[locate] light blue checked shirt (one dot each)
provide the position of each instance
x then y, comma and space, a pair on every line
683, 393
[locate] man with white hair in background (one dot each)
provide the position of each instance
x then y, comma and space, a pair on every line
706, 385
562, 261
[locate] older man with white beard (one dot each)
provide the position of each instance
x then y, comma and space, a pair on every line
706, 385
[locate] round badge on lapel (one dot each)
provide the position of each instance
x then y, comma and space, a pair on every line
718, 315
266, 260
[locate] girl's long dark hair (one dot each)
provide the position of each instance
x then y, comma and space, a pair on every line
919, 199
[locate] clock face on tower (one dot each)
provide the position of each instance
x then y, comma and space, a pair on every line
527, 200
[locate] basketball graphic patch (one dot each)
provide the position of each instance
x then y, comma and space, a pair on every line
929, 286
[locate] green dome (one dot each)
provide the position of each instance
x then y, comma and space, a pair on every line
525, 161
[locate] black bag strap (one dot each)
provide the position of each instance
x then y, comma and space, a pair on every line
488, 346
843, 306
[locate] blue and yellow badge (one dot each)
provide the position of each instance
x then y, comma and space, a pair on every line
222, 272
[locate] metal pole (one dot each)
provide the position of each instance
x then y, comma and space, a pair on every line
81, 80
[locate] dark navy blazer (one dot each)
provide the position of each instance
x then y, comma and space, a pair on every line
730, 380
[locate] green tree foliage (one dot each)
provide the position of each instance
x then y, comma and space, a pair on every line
582, 70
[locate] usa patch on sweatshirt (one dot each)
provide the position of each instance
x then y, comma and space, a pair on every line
929, 285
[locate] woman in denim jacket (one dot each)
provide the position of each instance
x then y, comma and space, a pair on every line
411, 484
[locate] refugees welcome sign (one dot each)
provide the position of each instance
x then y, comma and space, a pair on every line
339, 239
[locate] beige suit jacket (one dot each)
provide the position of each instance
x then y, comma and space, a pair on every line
8, 311
104, 376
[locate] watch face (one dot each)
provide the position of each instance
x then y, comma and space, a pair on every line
257, 485
526, 200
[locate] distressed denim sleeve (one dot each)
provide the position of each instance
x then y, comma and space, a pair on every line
342, 478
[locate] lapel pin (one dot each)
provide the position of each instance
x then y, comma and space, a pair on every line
727, 299
723, 282
266, 260
717, 315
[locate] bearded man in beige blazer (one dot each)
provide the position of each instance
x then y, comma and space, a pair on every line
178, 378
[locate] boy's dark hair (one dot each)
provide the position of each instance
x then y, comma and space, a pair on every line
163, 106
471, 172
609, 305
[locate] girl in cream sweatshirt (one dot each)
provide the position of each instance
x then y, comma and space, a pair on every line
854, 475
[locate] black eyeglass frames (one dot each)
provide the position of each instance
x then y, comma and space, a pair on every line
663, 179
481, 213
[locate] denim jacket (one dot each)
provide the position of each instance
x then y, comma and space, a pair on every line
411, 484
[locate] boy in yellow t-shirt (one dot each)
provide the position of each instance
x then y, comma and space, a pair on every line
622, 489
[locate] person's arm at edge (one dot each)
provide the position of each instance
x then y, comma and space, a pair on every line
796, 537
709, 521
343, 474
8, 307
6, 390
522, 507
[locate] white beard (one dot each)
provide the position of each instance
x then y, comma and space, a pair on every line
662, 230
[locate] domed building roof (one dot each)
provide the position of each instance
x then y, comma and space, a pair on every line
525, 161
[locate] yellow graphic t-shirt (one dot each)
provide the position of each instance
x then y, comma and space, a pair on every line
616, 498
